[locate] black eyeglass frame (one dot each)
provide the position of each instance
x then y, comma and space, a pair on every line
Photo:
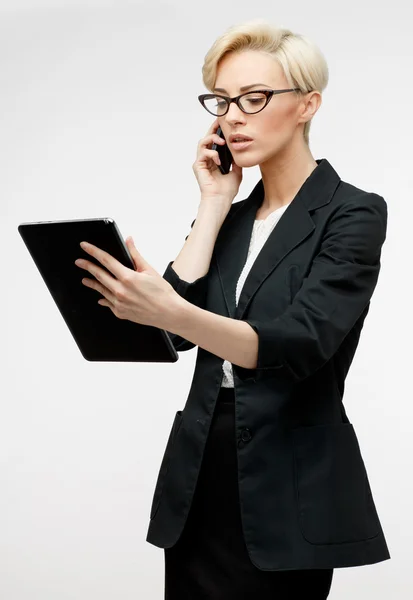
236, 99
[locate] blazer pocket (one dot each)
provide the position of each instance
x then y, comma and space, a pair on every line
163, 470
333, 493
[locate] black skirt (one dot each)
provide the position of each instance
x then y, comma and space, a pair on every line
210, 560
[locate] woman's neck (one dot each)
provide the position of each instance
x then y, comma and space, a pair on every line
283, 177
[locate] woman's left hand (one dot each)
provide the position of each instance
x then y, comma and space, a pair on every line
142, 296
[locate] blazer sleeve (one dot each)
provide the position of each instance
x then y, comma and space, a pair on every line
336, 291
194, 292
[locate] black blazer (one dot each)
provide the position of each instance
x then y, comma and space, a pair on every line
305, 497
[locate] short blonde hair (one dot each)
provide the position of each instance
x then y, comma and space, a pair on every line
302, 62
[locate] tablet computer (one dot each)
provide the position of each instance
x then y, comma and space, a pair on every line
99, 334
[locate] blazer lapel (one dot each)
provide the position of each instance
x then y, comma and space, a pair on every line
295, 225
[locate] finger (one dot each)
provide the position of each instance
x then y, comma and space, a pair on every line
213, 137
214, 126
205, 154
100, 275
113, 265
140, 263
95, 285
209, 140
109, 305
211, 130
103, 302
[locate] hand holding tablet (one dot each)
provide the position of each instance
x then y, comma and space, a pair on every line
140, 300
141, 296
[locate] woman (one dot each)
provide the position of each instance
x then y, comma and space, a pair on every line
262, 489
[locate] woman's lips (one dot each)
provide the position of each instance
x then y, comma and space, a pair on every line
241, 145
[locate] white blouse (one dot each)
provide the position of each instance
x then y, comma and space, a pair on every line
260, 232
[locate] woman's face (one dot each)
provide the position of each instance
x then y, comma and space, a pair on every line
275, 127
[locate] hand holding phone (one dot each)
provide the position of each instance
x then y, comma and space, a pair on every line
215, 189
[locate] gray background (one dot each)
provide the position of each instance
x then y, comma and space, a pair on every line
100, 117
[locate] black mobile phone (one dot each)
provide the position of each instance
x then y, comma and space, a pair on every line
224, 154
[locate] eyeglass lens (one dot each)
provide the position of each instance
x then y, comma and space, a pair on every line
252, 102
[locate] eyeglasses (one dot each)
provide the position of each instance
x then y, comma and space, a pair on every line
250, 102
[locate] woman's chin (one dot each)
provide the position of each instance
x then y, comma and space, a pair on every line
245, 161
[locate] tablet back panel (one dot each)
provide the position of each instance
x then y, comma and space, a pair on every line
99, 334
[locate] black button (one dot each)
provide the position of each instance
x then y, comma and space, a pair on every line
246, 435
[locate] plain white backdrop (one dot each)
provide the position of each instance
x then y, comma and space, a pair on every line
100, 118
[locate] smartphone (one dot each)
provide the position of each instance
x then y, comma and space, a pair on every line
224, 154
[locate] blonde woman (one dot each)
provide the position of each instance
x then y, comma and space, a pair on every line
262, 490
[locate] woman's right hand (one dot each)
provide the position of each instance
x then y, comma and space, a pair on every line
216, 189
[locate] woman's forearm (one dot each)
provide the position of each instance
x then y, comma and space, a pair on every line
230, 339
194, 259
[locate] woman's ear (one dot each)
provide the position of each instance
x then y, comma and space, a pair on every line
309, 106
